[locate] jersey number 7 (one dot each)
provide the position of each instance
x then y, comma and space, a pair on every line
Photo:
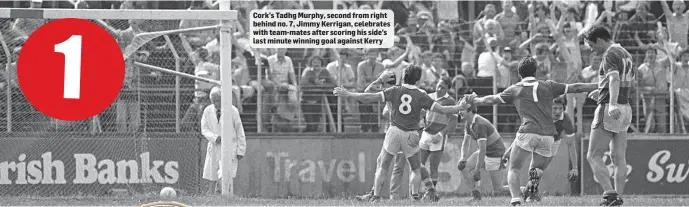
534, 90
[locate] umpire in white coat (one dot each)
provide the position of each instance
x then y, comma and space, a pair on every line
210, 128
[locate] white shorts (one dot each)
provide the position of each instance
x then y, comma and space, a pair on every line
427, 144
493, 163
397, 140
601, 118
539, 144
555, 147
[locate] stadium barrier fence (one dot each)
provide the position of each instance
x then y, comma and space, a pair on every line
280, 166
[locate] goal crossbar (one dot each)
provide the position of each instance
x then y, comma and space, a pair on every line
149, 14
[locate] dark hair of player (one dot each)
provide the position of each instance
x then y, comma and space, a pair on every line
412, 74
560, 100
598, 33
527, 67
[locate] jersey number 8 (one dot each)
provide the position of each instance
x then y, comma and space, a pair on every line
405, 106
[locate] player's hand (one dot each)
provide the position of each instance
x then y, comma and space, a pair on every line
594, 94
572, 174
386, 76
341, 91
436, 139
239, 157
217, 140
506, 158
477, 174
461, 165
469, 98
614, 111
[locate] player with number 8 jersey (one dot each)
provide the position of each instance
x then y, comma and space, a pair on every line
406, 101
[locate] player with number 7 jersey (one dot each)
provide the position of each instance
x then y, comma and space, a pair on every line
403, 135
533, 100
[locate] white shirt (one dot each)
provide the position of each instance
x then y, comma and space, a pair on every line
210, 129
487, 65
347, 75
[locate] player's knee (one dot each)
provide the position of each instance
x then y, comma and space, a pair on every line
594, 155
618, 159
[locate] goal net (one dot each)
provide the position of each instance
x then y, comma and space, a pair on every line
146, 140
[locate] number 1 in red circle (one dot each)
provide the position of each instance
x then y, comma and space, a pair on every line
70, 69
71, 48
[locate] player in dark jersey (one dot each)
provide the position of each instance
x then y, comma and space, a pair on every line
488, 155
533, 100
565, 130
613, 115
407, 101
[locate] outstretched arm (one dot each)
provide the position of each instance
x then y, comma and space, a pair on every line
581, 87
488, 100
454, 109
363, 97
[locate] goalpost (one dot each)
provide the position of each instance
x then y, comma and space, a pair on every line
130, 172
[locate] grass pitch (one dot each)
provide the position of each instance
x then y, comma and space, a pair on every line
445, 201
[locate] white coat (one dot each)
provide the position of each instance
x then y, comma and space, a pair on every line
210, 128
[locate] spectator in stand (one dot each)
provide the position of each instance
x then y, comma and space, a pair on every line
396, 62
200, 38
128, 110
315, 82
677, 21
481, 24
468, 70
26, 26
205, 69
444, 43
368, 71
435, 71
422, 33
509, 21
653, 79
344, 76
508, 69
488, 61
544, 59
539, 22
460, 86
282, 80
244, 86
623, 33
590, 73
467, 57
680, 86
643, 26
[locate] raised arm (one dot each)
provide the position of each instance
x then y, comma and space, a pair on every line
666, 9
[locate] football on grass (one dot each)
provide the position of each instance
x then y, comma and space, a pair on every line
168, 192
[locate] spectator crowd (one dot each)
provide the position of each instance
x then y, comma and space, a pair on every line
290, 90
